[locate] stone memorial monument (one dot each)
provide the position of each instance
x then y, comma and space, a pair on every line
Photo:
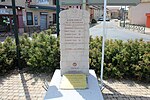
74, 41
74, 80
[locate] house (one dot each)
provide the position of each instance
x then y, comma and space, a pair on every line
114, 11
39, 14
6, 15
95, 11
108, 13
32, 15
137, 14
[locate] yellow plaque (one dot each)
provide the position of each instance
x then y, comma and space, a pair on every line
73, 81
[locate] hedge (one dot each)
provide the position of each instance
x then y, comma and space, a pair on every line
130, 59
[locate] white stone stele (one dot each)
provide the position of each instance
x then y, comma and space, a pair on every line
92, 93
74, 41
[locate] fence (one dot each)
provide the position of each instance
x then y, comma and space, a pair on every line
134, 27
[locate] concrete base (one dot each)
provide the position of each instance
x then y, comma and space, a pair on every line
92, 93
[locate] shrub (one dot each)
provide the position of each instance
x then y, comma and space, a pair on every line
44, 53
41, 54
129, 59
7, 55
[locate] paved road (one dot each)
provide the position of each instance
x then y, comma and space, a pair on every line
115, 32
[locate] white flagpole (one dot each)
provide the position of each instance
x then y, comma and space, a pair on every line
103, 42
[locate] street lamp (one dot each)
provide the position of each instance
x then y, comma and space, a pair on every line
16, 33
57, 16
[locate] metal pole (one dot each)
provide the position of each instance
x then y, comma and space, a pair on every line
84, 5
103, 42
121, 16
16, 33
57, 16
124, 16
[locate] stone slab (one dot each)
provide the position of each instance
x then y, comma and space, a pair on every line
74, 58
72, 52
74, 47
92, 93
75, 71
75, 64
74, 40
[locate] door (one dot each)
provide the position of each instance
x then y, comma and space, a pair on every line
43, 22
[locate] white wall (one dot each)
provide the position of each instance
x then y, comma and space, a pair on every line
137, 13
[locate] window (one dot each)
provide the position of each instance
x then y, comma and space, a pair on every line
2, 0
29, 18
54, 2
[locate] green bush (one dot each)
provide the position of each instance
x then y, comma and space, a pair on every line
7, 55
129, 59
41, 53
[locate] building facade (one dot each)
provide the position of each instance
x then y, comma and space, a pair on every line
6, 16
39, 14
114, 11
140, 10
95, 11
32, 15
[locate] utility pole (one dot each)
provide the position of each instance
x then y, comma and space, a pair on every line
84, 5
16, 33
124, 23
57, 17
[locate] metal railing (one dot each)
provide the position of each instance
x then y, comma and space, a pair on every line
134, 27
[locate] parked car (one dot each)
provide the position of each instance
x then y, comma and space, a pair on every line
101, 19
107, 19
